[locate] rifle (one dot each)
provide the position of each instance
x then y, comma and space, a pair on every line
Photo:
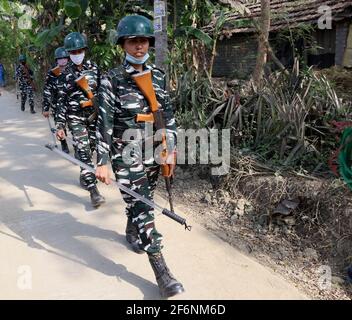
133, 193
82, 83
53, 131
56, 71
145, 84
26, 71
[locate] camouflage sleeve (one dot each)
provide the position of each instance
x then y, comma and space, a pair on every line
47, 93
18, 73
98, 77
170, 122
107, 102
62, 103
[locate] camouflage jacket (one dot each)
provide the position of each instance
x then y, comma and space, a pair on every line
52, 86
71, 95
21, 76
120, 101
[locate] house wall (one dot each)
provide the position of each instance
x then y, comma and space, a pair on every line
325, 55
236, 57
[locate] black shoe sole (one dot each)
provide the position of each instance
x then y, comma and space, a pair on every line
98, 204
172, 292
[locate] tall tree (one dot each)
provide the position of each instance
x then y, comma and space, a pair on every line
263, 36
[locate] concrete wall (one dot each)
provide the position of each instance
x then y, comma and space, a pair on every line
341, 38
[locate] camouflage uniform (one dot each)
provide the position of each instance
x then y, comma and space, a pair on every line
76, 117
120, 101
52, 86
25, 86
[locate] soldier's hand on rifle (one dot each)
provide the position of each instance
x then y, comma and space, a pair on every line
46, 114
171, 163
60, 134
102, 174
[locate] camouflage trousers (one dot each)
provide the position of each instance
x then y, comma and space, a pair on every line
83, 133
27, 91
140, 175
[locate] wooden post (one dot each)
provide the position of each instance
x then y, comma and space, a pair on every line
263, 36
160, 25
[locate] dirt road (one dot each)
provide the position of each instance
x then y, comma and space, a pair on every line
54, 245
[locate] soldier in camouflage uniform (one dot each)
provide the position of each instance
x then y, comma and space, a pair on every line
52, 85
75, 109
120, 101
24, 75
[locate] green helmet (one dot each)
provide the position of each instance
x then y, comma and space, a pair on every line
135, 26
75, 41
61, 53
22, 57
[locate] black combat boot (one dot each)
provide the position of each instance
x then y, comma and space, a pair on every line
64, 146
22, 107
96, 198
167, 283
32, 110
132, 236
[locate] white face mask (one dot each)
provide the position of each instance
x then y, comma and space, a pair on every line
77, 58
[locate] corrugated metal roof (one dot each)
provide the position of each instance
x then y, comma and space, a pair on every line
283, 13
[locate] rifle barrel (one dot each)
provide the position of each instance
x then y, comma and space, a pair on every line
134, 194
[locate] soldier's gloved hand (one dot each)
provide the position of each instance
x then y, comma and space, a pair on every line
46, 114
60, 134
102, 174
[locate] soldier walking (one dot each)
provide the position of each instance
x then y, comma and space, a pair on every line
52, 85
120, 101
81, 80
26, 83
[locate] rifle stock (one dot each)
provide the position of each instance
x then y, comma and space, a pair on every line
56, 71
82, 83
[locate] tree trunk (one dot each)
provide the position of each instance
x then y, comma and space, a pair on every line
161, 48
193, 42
262, 41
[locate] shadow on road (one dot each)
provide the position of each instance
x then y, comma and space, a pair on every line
60, 232
28, 153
